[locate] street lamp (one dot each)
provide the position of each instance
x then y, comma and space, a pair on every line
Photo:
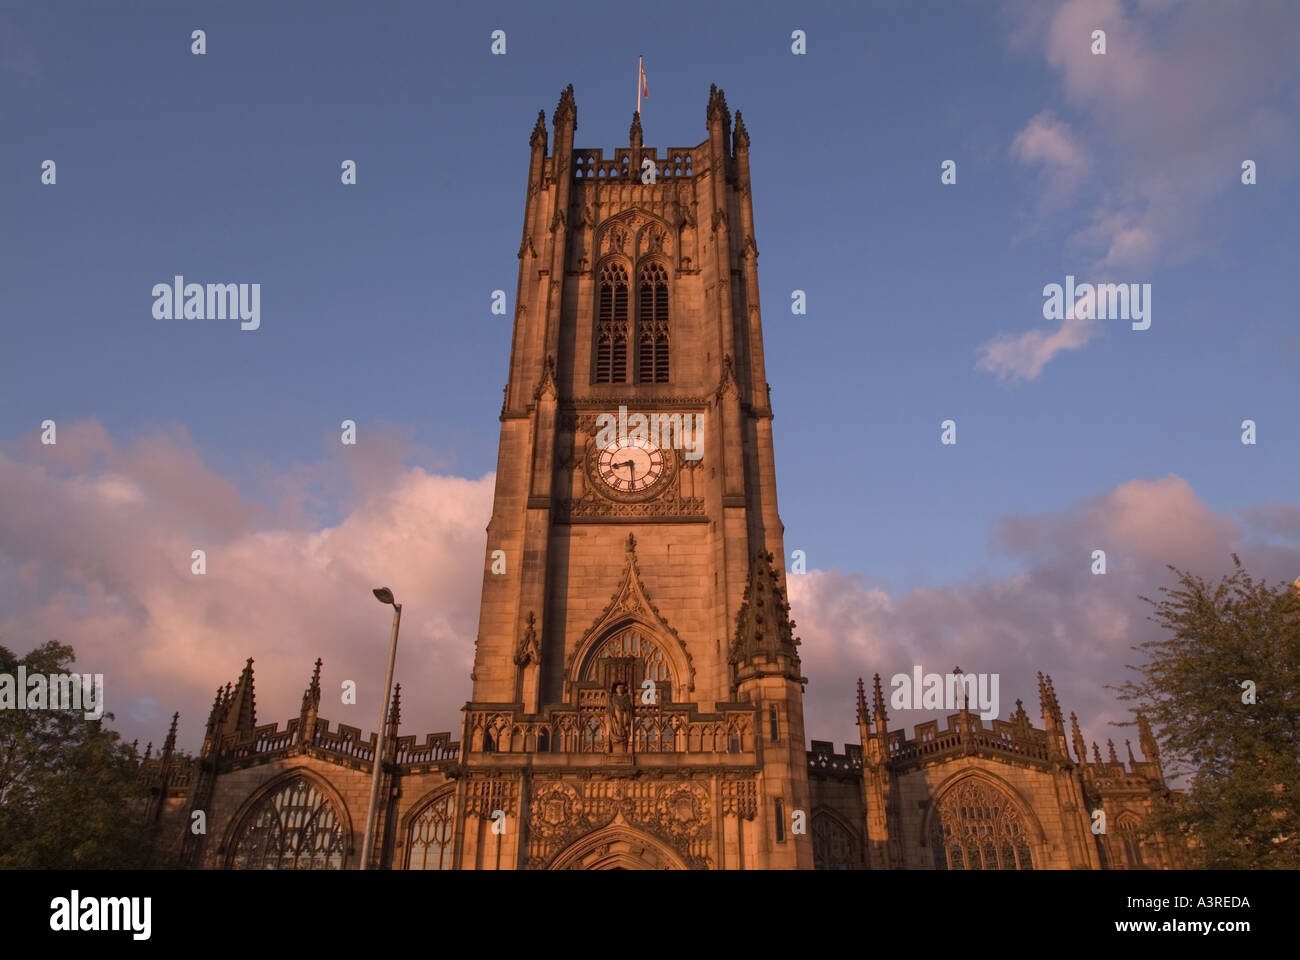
383, 595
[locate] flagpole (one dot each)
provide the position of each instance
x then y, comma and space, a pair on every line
638, 82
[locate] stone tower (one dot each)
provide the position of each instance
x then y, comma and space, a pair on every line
637, 695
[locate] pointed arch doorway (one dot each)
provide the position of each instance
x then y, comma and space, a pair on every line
617, 847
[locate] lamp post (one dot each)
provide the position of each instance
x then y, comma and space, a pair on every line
383, 595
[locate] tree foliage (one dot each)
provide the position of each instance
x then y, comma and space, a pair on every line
1242, 808
69, 791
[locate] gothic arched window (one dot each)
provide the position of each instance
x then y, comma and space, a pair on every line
294, 827
1131, 838
652, 325
612, 324
430, 843
833, 846
632, 657
978, 827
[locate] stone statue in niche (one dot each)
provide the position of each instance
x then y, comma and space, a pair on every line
619, 716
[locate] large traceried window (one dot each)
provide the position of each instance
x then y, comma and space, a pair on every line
612, 324
294, 827
978, 827
430, 844
833, 846
632, 657
652, 325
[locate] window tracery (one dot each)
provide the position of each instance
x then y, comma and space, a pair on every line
833, 846
652, 325
630, 656
612, 333
430, 844
978, 827
294, 827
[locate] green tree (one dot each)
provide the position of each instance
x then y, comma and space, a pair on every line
1242, 759
69, 793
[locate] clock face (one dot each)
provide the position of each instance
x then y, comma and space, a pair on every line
631, 465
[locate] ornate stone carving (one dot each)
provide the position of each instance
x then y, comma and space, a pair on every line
618, 718
630, 601
546, 386
656, 240
676, 813
528, 649
485, 795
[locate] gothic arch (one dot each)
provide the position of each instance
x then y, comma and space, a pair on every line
1128, 833
411, 823
630, 606
1039, 835
832, 827
618, 847
616, 259
613, 330
1010, 830
253, 802
634, 223
587, 654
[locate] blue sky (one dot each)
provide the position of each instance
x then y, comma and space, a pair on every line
375, 297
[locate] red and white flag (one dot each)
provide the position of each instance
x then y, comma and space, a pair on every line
642, 88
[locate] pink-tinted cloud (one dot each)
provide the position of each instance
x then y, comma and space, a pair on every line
1184, 93
1025, 356
95, 551
1055, 615
1047, 143
96, 540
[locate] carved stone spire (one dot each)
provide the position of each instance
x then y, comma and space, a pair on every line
1054, 704
241, 714
310, 707
717, 110
862, 703
741, 137
539, 132
765, 640
1132, 761
879, 715
1096, 754
311, 696
567, 109
1080, 748
1020, 718
170, 743
1110, 746
214, 715
634, 134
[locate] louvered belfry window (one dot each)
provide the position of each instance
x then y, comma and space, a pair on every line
612, 324
652, 325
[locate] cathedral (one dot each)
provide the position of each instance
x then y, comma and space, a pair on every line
637, 698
